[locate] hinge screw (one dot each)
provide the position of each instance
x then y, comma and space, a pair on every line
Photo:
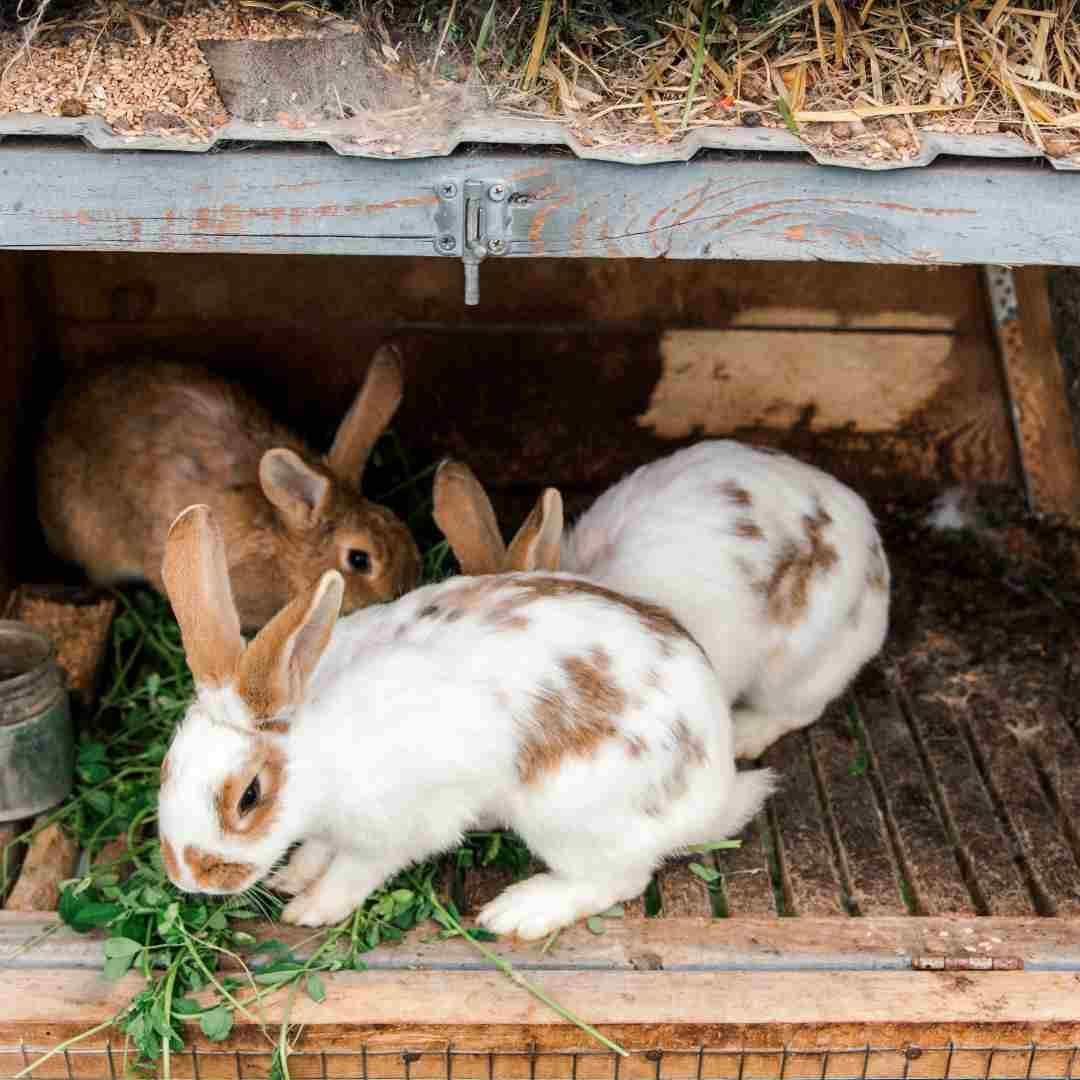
497, 192
447, 243
496, 247
448, 190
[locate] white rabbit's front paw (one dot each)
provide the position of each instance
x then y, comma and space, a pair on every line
537, 907
319, 906
308, 863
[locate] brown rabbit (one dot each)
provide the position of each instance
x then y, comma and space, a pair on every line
128, 446
466, 518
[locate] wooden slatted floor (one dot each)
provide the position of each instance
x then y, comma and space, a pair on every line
948, 780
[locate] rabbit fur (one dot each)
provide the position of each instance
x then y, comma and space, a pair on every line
590, 723
774, 566
129, 445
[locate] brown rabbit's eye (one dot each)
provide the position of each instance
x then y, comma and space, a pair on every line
249, 798
360, 561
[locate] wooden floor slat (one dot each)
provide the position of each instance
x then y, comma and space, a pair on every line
812, 885
1018, 788
843, 765
746, 874
682, 892
1056, 748
926, 850
982, 843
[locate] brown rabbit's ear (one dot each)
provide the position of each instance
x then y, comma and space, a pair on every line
277, 665
538, 544
196, 577
464, 515
368, 416
293, 486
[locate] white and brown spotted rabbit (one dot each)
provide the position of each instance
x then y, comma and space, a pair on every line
774, 566
128, 446
590, 723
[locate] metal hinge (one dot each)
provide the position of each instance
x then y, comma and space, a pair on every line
473, 221
967, 963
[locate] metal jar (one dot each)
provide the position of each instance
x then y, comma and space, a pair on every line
37, 741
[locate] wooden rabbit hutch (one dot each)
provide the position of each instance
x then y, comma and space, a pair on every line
909, 903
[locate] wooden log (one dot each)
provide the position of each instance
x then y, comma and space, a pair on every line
50, 859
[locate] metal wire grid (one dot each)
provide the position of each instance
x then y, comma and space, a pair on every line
948, 1061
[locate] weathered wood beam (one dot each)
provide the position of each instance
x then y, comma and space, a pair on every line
718, 206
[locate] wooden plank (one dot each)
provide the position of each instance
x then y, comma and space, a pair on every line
16, 356
713, 207
1000, 744
682, 893
1036, 382
982, 846
751, 943
926, 852
639, 1008
746, 873
188, 293
811, 879
1055, 747
842, 764
821, 394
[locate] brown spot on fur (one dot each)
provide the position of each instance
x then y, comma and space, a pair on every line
690, 746
690, 753
575, 722
212, 872
748, 529
730, 489
274, 727
635, 745
787, 589
877, 576
165, 772
168, 857
657, 620
268, 764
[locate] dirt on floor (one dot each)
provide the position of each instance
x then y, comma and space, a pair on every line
989, 614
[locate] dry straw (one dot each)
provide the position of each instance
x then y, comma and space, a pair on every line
858, 75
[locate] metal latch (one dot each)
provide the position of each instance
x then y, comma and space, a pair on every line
473, 221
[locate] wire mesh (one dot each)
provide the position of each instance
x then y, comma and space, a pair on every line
947, 1061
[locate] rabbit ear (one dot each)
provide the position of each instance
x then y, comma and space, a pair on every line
368, 416
464, 515
293, 486
275, 668
538, 544
196, 579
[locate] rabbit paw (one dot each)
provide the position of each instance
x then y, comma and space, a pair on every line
318, 907
308, 863
537, 907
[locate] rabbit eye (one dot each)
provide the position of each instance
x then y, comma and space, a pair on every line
249, 798
360, 561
